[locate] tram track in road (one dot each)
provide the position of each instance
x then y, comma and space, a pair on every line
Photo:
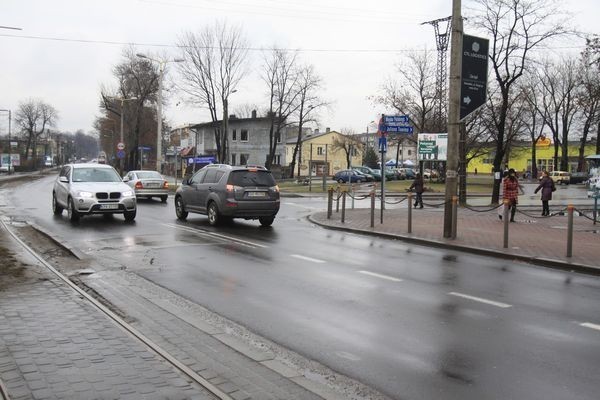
196, 378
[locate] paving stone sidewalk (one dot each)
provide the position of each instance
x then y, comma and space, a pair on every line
55, 345
533, 238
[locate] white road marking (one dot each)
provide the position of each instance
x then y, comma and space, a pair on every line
481, 300
590, 325
303, 206
216, 235
389, 278
315, 260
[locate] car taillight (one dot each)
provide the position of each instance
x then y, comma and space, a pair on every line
229, 188
166, 185
139, 185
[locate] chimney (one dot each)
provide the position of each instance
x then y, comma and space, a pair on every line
316, 131
253, 114
327, 130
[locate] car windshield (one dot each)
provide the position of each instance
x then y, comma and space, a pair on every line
251, 178
148, 175
95, 175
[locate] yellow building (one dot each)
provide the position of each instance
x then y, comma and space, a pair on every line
520, 157
319, 151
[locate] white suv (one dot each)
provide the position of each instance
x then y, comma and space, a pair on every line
84, 189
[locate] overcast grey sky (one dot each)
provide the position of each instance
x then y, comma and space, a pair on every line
67, 48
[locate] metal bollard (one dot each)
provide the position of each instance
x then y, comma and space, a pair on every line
343, 206
596, 196
570, 209
337, 200
454, 216
505, 220
372, 208
329, 202
410, 213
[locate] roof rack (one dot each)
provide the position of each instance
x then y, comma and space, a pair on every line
262, 167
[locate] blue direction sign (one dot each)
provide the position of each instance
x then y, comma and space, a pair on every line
120, 154
395, 120
145, 148
399, 129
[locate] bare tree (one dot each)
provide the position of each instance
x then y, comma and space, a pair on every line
533, 118
215, 63
309, 102
34, 117
589, 97
136, 78
281, 75
516, 28
414, 92
559, 86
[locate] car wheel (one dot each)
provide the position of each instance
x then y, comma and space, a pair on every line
130, 215
266, 221
163, 199
71, 211
56, 209
180, 209
213, 214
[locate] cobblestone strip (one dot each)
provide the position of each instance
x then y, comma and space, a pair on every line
53, 345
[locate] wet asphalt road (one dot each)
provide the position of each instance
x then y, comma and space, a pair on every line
410, 321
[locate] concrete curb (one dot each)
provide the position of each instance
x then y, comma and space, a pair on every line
539, 261
59, 241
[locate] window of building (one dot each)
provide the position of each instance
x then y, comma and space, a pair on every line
233, 159
320, 151
409, 152
244, 136
244, 158
233, 135
277, 159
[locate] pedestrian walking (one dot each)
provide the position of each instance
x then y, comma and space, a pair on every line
418, 186
547, 186
510, 190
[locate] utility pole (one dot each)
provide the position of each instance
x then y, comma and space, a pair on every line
453, 115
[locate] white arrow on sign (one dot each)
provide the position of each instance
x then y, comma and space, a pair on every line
467, 100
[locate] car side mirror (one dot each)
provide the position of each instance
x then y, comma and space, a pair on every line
125, 179
185, 181
63, 179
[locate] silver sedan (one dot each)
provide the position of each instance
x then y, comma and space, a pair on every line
147, 184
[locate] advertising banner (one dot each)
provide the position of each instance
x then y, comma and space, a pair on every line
432, 146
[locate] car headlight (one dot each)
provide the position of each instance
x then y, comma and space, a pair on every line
85, 195
128, 193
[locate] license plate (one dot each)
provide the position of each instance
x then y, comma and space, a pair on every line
152, 185
109, 206
256, 194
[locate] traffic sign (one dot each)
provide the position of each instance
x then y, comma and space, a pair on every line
120, 146
396, 120
383, 144
145, 148
399, 129
120, 154
473, 84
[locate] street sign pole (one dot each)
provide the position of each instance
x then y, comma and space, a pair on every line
453, 115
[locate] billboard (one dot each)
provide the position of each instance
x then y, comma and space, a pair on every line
432, 146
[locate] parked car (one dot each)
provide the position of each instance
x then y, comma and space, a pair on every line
560, 177
408, 173
84, 189
147, 184
376, 174
579, 177
351, 175
223, 192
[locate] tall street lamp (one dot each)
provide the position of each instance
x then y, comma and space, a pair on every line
9, 143
161, 70
225, 128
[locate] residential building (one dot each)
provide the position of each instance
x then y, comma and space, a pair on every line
318, 150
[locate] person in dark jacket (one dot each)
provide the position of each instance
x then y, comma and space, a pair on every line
547, 187
418, 187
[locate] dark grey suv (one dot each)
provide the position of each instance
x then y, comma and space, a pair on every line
224, 192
